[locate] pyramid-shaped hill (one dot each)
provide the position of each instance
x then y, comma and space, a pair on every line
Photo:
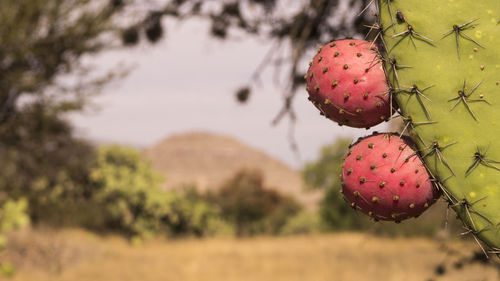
208, 160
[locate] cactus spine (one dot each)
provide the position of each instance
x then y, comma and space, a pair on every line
443, 63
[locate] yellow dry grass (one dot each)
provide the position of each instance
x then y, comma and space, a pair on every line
336, 257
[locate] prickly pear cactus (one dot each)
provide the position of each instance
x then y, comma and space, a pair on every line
442, 59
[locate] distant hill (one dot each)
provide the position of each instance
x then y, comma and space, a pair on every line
208, 160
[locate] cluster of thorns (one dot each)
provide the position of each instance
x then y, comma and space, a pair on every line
464, 97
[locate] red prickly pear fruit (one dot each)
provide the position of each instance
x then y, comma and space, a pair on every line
346, 82
383, 177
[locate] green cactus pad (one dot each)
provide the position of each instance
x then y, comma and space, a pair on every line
433, 49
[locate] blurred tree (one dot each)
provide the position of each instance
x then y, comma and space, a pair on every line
42, 161
127, 192
127, 198
43, 42
40, 43
42, 46
192, 213
323, 174
245, 202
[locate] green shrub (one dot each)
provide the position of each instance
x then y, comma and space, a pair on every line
302, 223
252, 209
127, 192
129, 199
193, 214
323, 174
13, 215
336, 214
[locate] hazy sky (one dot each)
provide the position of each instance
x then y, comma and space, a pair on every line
187, 83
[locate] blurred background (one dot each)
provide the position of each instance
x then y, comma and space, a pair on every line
173, 140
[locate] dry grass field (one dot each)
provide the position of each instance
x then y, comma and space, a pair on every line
79, 256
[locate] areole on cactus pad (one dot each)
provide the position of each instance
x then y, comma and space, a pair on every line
443, 63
